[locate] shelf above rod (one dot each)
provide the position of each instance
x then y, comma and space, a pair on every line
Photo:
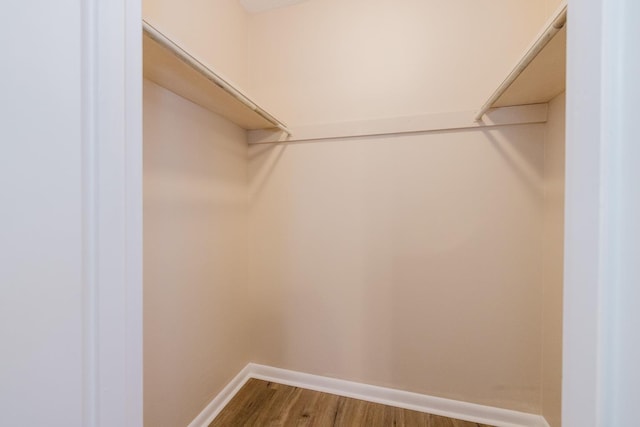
555, 24
168, 73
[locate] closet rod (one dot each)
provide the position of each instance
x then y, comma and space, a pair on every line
545, 37
209, 74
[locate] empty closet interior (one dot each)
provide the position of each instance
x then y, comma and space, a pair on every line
369, 191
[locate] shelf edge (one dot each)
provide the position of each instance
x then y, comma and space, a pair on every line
209, 74
555, 23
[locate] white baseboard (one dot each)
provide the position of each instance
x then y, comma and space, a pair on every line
220, 401
387, 396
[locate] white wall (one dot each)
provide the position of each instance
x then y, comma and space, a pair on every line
624, 136
601, 345
584, 292
412, 262
553, 256
41, 306
335, 60
70, 231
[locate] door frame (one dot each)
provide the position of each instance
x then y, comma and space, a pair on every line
112, 212
602, 237
599, 234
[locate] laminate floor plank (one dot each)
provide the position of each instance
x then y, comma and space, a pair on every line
249, 400
350, 413
266, 404
275, 411
374, 415
313, 409
406, 418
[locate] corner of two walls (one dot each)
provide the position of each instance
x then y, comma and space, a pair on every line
195, 224
195, 245
554, 165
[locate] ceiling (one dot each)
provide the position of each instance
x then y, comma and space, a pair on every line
254, 6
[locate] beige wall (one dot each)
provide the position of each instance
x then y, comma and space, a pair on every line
195, 245
215, 31
411, 261
195, 222
406, 261
552, 5
340, 60
553, 262
416, 261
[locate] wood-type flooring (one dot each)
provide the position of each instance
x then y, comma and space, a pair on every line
266, 404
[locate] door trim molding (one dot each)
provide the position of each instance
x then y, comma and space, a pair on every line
112, 212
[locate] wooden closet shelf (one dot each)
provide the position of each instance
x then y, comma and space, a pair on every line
540, 74
172, 67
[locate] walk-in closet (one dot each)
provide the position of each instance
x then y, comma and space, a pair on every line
328, 213
361, 192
